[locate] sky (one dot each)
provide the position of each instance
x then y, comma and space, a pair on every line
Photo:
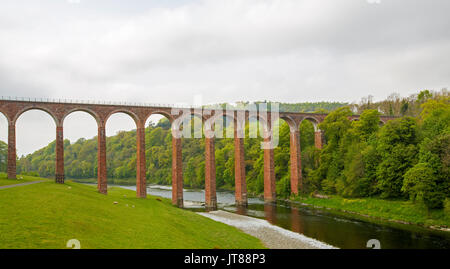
222, 50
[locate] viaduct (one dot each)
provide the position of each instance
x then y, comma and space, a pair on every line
60, 109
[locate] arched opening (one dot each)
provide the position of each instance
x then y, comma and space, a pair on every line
121, 149
80, 147
282, 160
158, 155
175, 155
35, 143
193, 154
224, 152
313, 121
254, 156
318, 135
3, 146
309, 152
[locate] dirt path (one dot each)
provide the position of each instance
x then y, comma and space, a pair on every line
21, 184
272, 236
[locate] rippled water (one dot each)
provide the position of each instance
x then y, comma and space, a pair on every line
336, 230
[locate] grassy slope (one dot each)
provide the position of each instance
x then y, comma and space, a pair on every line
47, 215
403, 211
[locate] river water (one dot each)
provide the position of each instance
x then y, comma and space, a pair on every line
337, 230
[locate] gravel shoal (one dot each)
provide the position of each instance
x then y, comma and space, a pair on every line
271, 236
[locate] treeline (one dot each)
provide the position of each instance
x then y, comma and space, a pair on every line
395, 105
406, 158
317, 107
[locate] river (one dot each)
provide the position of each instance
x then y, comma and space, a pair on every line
337, 230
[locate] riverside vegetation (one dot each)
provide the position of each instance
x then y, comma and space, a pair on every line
404, 161
48, 215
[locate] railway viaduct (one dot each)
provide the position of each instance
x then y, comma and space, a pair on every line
60, 109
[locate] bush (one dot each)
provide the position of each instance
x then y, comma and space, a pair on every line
31, 174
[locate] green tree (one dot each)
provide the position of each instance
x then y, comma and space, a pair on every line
398, 151
421, 183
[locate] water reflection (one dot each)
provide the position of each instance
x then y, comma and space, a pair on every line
270, 211
296, 223
241, 210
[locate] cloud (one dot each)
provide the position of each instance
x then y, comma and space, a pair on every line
226, 50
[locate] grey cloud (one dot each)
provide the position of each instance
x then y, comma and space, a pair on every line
226, 50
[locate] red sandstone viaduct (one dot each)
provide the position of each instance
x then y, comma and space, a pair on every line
59, 110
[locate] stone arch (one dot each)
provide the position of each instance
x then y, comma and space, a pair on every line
282, 136
41, 108
6, 116
4, 134
68, 157
269, 169
177, 162
224, 119
19, 135
108, 168
184, 115
314, 121
80, 109
159, 112
291, 122
262, 123
319, 139
176, 159
187, 117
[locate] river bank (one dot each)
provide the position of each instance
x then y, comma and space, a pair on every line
379, 210
368, 209
333, 227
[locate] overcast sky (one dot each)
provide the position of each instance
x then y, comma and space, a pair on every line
224, 50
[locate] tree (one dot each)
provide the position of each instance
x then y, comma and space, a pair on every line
3, 156
423, 96
368, 124
335, 126
398, 151
421, 183
435, 117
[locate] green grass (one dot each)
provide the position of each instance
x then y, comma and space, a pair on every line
392, 210
20, 179
47, 215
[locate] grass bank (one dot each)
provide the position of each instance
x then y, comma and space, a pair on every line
388, 210
47, 215
4, 181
